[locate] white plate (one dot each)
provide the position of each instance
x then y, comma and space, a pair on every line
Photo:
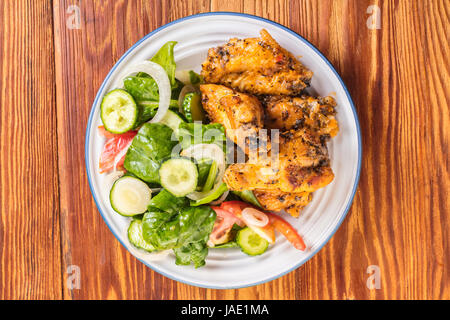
230, 268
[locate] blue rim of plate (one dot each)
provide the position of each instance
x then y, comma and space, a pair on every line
355, 115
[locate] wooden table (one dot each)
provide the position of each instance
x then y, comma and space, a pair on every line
398, 76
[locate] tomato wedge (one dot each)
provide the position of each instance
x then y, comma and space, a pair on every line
228, 216
115, 143
235, 207
222, 226
286, 229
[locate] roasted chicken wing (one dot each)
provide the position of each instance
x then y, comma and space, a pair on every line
241, 114
302, 165
256, 65
287, 113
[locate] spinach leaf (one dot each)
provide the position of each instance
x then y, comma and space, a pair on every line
165, 58
195, 78
176, 89
167, 202
158, 225
248, 196
142, 88
152, 144
161, 229
196, 224
185, 231
191, 253
195, 133
145, 92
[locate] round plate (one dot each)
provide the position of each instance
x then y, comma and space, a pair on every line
230, 268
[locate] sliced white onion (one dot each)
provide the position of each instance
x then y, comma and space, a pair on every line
208, 151
158, 73
253, 217
186, 89
221, 199
120, 155
110, 178
150, 256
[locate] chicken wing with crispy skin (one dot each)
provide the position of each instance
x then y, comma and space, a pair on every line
292, 203
241, 114
302, 165
256, 65
287, 113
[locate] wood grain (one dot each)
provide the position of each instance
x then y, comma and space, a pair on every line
30, 264
398, 77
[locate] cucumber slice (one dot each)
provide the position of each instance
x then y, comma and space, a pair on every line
192, 107
250, 242
118, 111
136, 237
179, 176
172, 120
130, 196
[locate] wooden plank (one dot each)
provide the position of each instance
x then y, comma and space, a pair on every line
30, 261
398, 77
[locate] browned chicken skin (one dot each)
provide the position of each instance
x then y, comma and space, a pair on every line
256, 65
241, 114
302, 166
292, 203
287, 113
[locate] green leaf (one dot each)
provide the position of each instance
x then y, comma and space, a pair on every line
191, 253
195, 133
211, 197
203, 167
165, 58
167, 202
142, 88
195, 226
151, 145
248, 196
185, 231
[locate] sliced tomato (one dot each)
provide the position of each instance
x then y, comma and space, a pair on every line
228, 216
115, 143
286, 229
235, 207
222, 226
